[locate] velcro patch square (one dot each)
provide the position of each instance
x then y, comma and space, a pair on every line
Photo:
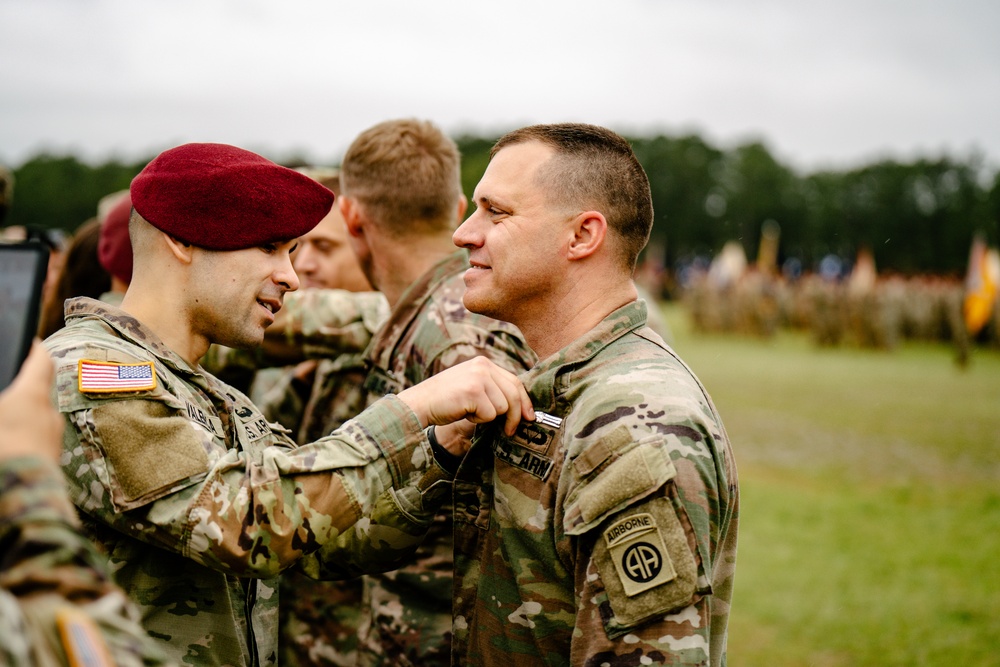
109, 377
639, 554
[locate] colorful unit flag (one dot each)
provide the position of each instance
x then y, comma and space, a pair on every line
981, 284
104, 376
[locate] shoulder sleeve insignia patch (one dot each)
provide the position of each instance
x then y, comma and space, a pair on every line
639, 554
645, 563
102, 377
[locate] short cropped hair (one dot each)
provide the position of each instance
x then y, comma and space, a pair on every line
406, 176
594, 168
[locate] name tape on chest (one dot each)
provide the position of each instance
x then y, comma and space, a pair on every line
638, 553
101, 377
210, 422
528, 447
530, 462
254, 425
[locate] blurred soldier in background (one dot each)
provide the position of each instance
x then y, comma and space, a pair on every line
319, 621
401, 202
80, 274
114, 250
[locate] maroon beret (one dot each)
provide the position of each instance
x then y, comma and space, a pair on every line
225, 198
114, 250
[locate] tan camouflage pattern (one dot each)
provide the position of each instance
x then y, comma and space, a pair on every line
405, 618
408, 611
50, 569
199, 502
323, 324
318, 621
606, 538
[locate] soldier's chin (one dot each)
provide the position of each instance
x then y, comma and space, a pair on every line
479, 304
242, 341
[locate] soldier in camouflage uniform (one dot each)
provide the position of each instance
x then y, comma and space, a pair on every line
58, 603
196, 499
319, 621
316, 396
402, 201
604, 532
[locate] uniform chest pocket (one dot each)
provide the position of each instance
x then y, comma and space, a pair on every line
151, 449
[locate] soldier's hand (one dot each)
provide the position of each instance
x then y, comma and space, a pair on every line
477, 390
456, 437
29, 425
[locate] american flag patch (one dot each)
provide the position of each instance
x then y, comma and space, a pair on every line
105, 376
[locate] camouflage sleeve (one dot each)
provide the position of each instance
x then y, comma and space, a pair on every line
53, 579
251, 512
504, 349
640, 530
389, 537
323, 323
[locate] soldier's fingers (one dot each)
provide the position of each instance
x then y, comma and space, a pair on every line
37, 372
29, 425
515, 403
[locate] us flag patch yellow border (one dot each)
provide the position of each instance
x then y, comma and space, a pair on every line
102, 377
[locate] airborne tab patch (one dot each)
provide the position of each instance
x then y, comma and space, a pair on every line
102, 377
639, 554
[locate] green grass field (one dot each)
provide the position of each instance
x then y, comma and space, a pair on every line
870, 500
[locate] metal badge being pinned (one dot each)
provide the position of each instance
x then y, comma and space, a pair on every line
546, 419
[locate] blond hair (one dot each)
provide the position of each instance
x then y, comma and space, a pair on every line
406, 176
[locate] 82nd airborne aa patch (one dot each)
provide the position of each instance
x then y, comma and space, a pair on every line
639, 554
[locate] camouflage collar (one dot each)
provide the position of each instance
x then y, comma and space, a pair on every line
128, 327
410, 303
541, 381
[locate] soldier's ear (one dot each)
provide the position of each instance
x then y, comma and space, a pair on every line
351, 212
589, 231
179, 249
463, 204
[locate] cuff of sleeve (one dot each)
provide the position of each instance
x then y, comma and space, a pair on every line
442, 456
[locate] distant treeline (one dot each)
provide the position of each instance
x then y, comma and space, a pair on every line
915, 217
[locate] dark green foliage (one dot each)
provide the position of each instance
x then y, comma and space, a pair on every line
60, 192
915, 217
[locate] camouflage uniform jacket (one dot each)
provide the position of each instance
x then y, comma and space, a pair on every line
406, 615
605, 531
52, 579
199, 502
429, 330
318, 620
319, 395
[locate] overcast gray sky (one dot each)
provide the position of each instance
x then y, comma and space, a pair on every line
830, 83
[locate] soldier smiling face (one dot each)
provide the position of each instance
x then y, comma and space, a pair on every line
514, 236
233, 295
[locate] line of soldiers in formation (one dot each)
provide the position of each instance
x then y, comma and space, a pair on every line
880, 315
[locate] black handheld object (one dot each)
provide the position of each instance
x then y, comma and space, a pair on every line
22, 274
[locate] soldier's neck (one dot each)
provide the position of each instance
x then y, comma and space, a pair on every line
569, 314
397, 263
166, 320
